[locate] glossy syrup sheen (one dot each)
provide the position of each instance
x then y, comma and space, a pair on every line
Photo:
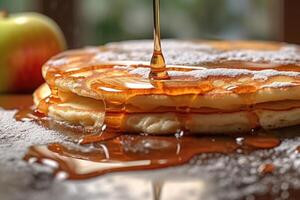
107, 152
123, 153
116, 82
132, 152
115, 85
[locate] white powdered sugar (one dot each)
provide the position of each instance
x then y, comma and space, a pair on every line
91, 49
280, 85
58, 62
16, 137
202, 74
147, 45
286, 55
142, 71
188, 53
205, 73
121, 56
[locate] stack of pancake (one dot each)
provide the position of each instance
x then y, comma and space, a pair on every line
214, 87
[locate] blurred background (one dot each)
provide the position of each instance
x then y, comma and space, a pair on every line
94, 22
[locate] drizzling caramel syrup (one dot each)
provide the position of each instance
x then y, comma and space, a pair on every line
158, 65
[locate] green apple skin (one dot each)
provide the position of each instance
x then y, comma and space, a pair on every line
27, 41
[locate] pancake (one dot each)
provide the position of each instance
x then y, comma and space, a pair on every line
215, 87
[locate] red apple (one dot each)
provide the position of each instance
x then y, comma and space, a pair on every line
27, 41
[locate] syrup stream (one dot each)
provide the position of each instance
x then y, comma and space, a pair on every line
158, 65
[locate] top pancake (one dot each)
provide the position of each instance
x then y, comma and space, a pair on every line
226, 75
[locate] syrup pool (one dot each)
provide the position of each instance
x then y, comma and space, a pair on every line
93, 153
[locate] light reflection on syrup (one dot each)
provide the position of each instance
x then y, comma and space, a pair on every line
133, 152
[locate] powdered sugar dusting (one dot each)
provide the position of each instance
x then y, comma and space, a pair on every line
142, 71
188, 53
280, 85
286, 55
15, 137
205, 73
58, 62
147, 45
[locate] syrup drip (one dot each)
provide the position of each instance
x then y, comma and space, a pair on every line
158, 65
